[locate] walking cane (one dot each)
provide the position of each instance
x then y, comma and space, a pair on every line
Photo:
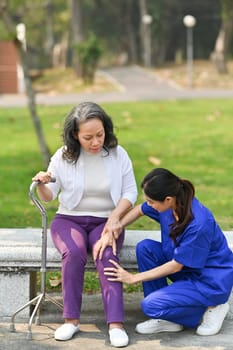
43, 296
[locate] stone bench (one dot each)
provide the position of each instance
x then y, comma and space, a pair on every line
20, 259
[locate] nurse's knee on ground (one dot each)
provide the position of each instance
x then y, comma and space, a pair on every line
153, 305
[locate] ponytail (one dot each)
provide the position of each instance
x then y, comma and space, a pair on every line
183, 208
161, 183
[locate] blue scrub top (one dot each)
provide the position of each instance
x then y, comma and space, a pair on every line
202, 248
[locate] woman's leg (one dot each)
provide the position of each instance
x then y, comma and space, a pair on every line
149, 255
71, 241
112, 292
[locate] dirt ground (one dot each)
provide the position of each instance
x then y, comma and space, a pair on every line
205, 75
64, 80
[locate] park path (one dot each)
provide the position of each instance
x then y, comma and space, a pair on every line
133, 83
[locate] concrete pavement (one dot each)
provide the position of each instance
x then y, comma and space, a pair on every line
94, 335
133, 83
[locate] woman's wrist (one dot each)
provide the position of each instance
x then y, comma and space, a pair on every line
44, 192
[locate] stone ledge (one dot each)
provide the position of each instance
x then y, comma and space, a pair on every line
21, 249
20, 257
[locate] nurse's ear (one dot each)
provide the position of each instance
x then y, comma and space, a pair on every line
170, 201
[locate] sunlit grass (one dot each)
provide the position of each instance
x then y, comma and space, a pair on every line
192, 138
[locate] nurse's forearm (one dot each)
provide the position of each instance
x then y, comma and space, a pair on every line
113, 225
158, 272
131, 216
122, 208
120, 217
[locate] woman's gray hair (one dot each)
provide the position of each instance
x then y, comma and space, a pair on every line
78, 115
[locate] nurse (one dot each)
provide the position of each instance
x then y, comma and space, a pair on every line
193, 255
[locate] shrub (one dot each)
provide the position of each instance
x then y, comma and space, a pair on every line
89, 53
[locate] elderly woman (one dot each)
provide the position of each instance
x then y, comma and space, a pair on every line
96, 187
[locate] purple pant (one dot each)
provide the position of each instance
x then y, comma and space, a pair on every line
74, 236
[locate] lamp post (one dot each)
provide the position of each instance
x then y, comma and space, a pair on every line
21, 36
146, 20
189, 21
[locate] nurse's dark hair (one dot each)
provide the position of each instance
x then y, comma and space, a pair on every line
80, 114
161, 183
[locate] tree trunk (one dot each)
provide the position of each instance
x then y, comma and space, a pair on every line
76, 20
32, 104
133, 52
145, 33
11, 27
49, 40
143, 11
77, 31
219, 55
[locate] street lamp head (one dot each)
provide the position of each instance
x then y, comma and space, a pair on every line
189, 21
147, 19
21, 31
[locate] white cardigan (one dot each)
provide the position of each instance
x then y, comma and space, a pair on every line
70, 177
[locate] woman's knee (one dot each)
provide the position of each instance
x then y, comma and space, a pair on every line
107, 255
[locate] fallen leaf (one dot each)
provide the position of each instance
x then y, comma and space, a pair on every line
154, 160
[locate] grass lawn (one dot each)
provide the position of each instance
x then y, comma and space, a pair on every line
192, 138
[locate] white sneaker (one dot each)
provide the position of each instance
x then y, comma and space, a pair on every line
156, 326
118, 337
213, 319
66, 331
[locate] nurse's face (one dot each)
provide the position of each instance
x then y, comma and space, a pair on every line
168, 203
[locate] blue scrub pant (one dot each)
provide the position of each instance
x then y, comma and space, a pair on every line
180, 302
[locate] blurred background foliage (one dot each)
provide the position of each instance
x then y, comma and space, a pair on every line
53, 27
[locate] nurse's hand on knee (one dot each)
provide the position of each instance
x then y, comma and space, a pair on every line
118, 274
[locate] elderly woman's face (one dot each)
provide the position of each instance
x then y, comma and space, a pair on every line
91, 135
